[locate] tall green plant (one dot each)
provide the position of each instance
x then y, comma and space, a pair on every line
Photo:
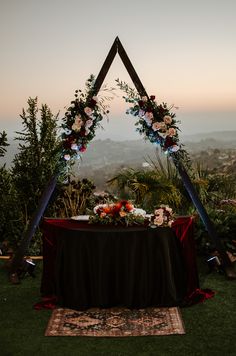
9, 213
37, 158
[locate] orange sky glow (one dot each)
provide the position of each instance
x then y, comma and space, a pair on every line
184, 53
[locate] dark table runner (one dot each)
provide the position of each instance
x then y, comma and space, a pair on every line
100, 266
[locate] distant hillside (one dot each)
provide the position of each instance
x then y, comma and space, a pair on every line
217, 135
133, 152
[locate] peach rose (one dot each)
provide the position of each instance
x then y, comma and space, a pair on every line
156, 126
158, 212
171, 132
167, 119
158, 220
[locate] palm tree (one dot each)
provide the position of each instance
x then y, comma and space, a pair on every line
147, 188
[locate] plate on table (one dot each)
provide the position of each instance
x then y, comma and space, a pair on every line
80, 218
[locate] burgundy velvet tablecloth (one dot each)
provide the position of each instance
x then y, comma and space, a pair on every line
53, 228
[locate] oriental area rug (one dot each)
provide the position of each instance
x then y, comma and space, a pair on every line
115, 322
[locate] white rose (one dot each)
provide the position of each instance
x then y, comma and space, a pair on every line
67, 157
74, 146
174, 148
67, 131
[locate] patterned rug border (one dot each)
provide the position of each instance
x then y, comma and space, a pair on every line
121, 322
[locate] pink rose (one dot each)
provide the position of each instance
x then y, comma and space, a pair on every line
88, 123
141, 113
88, 111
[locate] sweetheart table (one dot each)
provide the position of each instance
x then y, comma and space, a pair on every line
102, 266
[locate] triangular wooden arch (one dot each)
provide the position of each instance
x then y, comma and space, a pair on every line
118, 48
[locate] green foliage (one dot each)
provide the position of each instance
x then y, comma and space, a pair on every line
33, 166
224, 220
75, 198
37, 159
10, 215
3, 143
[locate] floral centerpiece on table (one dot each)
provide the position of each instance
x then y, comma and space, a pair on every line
119, 213
163, 216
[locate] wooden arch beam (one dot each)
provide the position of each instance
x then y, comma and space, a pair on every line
118, 48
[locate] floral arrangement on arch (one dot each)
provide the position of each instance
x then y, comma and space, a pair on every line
155, 121
119, 213
163, 216
81, 120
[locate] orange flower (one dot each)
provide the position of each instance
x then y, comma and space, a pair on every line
122, 214
107, 209
129, 206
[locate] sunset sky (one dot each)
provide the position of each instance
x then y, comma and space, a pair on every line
183, 51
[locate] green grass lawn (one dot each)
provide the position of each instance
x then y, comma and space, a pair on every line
210, 327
